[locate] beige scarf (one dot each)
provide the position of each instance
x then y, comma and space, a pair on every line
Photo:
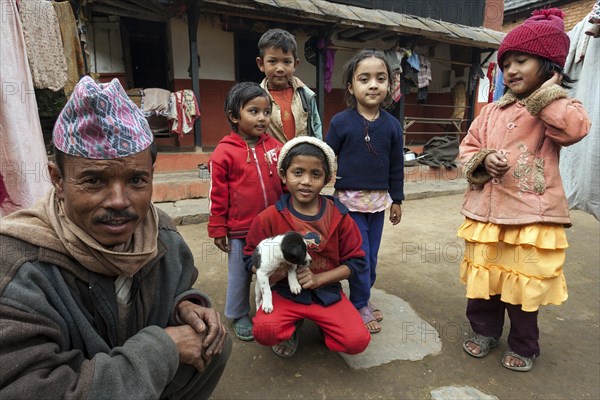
46, 225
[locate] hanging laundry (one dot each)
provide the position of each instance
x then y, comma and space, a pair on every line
413, 61
424, 76
394, 58
491, 75
22, 149
71, 44
499, 85
476, 75
397, 87
422, 95
329, 63
156, 101
43, 42
184, 111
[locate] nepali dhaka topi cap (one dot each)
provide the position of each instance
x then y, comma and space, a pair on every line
101, 122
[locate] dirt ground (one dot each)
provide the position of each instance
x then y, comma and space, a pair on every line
419, 263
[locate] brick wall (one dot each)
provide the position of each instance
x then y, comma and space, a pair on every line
575, 11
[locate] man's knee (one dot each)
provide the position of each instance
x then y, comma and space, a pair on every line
190, 383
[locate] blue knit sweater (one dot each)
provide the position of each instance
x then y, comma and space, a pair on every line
361, 169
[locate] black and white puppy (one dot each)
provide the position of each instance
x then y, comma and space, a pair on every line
286, 251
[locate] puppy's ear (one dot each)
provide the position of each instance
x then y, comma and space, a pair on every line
293, 248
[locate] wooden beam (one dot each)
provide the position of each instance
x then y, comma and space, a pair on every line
192, 17
125, 13
149, 6
370, 35
349, 33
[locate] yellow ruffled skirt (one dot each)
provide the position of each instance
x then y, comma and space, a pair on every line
522, 263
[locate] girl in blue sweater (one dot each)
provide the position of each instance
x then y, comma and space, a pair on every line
370, 178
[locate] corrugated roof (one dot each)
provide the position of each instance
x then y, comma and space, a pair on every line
347, 16
356, 23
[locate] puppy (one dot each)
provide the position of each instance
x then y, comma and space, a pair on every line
287, 251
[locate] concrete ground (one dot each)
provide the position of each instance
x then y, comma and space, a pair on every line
418, 269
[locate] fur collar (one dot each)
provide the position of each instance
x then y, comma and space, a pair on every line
537, 100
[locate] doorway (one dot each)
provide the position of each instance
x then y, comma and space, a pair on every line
146, 53
246, 51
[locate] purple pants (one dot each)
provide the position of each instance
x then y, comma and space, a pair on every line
487, 319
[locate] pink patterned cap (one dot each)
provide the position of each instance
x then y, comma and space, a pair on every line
100, 122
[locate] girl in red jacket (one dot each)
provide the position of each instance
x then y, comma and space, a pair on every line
243, 182
334, 243
516, 207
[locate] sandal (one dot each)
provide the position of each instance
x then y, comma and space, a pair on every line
523, 368
376, 312
242, 327
288, 348
485, 343
369, 320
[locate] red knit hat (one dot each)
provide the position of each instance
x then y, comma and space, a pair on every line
542, 35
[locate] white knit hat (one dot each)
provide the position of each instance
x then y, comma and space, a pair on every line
328, 151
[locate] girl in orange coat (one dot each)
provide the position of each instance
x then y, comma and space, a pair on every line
515, 206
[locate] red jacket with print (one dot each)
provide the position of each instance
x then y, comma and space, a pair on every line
243, 182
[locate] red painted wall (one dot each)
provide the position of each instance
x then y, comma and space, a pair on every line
214, 125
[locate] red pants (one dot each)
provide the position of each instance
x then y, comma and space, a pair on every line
341, 323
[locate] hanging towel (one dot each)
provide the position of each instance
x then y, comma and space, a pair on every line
44, 44
184, 111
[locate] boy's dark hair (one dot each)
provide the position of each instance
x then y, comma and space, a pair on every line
350, 67
547, 68
59, 156
279, 39
306, 149
240, 94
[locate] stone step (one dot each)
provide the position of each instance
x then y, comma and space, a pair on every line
175, 186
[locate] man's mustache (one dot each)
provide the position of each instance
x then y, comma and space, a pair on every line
111, 215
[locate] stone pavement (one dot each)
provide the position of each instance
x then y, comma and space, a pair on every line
418, 354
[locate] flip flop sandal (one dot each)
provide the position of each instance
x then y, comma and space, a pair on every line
524, 368
367, 317
485, 343
290, 344
242, 327
376, 312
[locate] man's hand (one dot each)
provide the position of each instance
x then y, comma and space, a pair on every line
496, 164
189, 345
206, 322
222, 244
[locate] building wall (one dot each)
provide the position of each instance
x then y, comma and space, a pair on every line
575, 11
494, 14
217, 73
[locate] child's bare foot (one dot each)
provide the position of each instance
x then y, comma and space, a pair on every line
376, 312
479, 346
516, 362
369, 320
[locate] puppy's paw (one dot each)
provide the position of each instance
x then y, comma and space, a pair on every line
267, 307
295, 289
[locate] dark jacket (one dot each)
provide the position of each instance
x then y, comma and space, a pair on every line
362, 168
58, 323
